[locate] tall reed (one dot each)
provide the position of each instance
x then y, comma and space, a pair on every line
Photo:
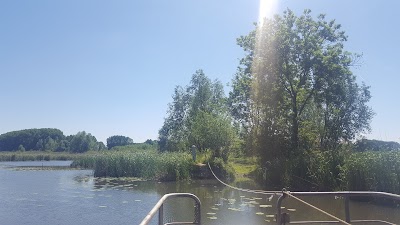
144, 164
37, 156
372, 171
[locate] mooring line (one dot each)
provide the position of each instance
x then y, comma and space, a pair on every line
316, 208
242, 189
277, 193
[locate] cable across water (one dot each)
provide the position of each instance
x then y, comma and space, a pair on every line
278, 193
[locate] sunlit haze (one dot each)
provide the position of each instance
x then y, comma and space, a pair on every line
267, 9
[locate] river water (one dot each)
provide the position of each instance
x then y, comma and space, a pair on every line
38, 193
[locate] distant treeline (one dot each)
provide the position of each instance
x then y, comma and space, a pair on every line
365, 145
51, 139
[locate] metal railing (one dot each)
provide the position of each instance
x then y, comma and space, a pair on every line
159, 207
284, 218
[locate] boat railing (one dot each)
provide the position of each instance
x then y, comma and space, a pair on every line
284, 218
159, 207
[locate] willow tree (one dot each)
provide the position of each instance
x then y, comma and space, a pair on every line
198, 115
303, 93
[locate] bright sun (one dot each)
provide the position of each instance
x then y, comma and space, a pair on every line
267, 9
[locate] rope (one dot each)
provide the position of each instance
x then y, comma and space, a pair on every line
244, 190
277, 192
316, 208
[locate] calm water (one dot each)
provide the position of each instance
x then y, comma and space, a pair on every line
36, 196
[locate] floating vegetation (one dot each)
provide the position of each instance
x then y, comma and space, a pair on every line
235, 209
254, 202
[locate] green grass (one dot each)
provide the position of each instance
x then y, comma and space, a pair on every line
243, 166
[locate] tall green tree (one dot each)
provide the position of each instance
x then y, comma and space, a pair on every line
118, 140
303, 93
83, 142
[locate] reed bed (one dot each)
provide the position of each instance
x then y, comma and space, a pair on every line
372, 171
37, 156
143, 164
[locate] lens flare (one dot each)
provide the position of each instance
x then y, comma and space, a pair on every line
267, 9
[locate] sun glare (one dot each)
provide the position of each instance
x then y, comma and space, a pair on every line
267, 9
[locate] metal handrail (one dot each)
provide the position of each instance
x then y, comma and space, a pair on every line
160, 205
282, 218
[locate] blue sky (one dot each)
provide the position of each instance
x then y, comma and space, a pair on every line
110, 67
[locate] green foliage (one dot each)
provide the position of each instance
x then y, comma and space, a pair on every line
31, 139
198, 115
222, 169
136, 147
324, 169
296, 86
372, 171
364, 145
118, 140
143, 164
83, 142
48, 139
212, 132
21, 148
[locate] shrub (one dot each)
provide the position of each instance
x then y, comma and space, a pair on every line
222, 170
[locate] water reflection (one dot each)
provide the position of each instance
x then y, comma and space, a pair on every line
76, 197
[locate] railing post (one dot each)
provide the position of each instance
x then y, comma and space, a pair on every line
279, 209
347, 208
160, 208
161, 215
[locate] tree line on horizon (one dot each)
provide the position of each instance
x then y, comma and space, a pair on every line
53, 140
